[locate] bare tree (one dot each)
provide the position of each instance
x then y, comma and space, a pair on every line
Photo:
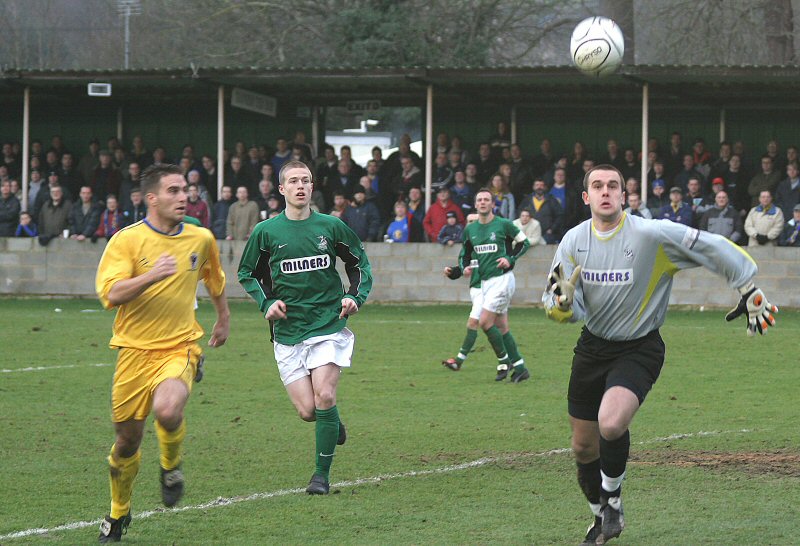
709, 32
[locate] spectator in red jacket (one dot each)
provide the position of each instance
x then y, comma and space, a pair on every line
111, 221
196, 207
436, 217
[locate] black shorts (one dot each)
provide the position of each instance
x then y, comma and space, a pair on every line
600, 364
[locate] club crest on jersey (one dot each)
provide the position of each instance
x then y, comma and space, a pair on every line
193, 259
308, 263
607, 277
628, 253
486, 249
323, 243
493, 237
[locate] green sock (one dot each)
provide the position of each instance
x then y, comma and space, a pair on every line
327, 433
466, 345
511, 347
496, 340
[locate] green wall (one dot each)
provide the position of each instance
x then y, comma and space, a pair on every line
172, 123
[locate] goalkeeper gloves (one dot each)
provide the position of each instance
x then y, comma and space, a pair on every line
455, 273
564, 289
759, 311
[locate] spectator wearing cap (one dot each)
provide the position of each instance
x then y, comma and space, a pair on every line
764, 223
791, 231
723, 219
452, 231
677, 211
658, 198
787, 194
362, 216
436, 217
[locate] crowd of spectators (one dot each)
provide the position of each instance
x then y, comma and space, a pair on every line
752, 199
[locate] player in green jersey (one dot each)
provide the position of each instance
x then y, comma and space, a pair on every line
476, 297
496, 244
289, 268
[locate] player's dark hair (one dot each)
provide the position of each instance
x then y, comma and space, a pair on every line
293, 164
484, 189
152, 175
603, 167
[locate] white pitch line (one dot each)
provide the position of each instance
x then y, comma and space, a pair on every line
46, 368
226, 501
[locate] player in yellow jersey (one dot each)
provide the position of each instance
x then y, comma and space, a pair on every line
149, 272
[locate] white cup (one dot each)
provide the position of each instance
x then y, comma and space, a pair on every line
65, 234
263, 215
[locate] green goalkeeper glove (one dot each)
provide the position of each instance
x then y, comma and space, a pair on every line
758, 310
564, 289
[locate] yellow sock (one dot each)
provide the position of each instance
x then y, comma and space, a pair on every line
121, 474
170, 444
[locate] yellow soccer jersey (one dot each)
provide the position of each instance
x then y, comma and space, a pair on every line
163, 315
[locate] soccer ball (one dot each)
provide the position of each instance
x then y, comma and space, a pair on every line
597, 46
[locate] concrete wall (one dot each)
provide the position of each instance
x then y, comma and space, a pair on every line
402, 272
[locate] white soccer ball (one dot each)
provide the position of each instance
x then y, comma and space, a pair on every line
597, 46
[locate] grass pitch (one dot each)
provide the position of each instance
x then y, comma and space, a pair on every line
433, 456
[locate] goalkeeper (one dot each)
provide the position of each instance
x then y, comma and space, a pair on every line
614, 272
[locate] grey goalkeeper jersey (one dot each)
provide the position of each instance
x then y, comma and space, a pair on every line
627, 274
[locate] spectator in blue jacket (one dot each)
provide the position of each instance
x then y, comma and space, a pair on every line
677, 210
26, 227
362, 216
451, 232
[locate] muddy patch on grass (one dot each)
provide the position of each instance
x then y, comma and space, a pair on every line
776, 463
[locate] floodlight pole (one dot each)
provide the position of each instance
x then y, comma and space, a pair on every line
127, 16
126, 8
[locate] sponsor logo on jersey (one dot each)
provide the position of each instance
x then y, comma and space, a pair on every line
193, 260
607, 277
486, 249
308, 263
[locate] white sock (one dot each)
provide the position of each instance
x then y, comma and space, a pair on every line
611, 484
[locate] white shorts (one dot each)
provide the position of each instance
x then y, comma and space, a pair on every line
297, 361
476, 295
497, 293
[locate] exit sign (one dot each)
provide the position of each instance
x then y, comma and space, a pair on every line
358, 106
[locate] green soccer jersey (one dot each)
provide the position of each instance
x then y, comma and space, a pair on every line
489, 242
295, 261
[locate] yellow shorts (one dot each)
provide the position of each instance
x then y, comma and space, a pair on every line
139, 372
